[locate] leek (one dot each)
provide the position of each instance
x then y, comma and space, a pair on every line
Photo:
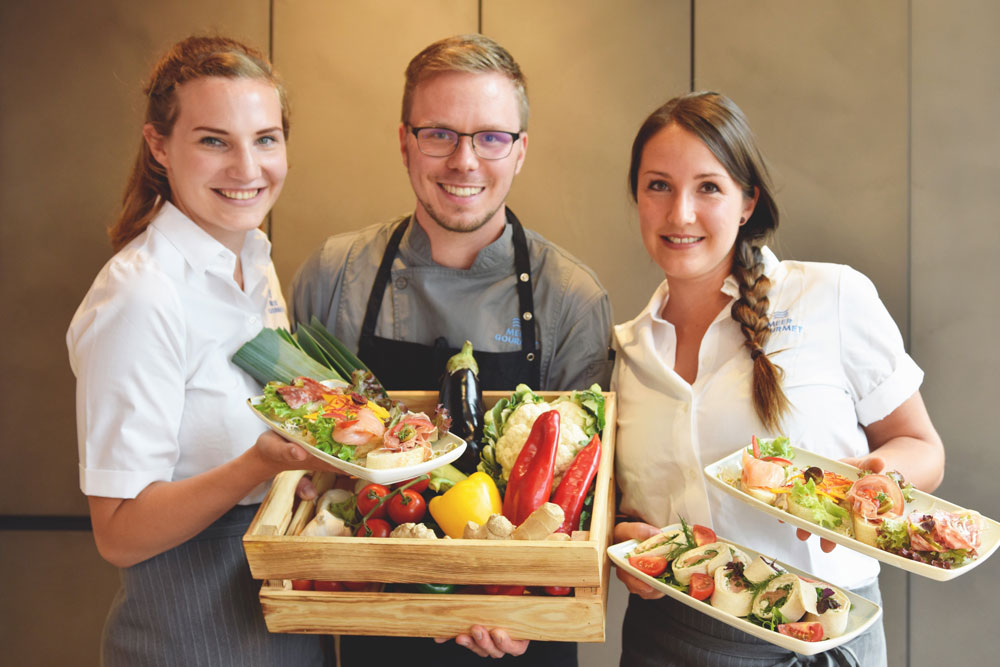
272, 355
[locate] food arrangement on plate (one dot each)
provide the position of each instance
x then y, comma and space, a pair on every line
745, 589
348, 426
877, 514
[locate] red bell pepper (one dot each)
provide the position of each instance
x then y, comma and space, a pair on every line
572, 490
530, 482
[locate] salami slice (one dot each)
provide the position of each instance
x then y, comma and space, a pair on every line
303, 390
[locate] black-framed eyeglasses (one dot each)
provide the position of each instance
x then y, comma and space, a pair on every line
442, 142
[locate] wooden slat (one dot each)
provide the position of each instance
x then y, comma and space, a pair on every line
579, 619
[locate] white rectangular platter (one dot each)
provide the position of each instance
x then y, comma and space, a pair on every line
863, 612
446, 449
729, 468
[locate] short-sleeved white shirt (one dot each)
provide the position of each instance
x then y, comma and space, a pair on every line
845, 366
158, 397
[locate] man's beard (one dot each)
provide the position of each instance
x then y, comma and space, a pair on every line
465, 228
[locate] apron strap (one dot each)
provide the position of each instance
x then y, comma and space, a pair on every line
526, 302
381, 281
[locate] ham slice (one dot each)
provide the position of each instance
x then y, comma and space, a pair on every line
302, 391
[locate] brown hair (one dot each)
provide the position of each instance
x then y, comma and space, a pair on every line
722, 127
464, 53
189, 59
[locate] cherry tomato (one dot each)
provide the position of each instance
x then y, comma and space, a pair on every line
329, 585
493, 589
654, 566
369, 496
376, 528
419, 487
807, 631
407, 506
702, 586
558, 590
302, 585
703, 535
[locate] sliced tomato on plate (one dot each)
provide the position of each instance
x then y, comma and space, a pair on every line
654, 566
807, 631
703, 535
701, 586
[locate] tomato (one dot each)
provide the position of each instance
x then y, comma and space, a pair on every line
703, 535
558, 590
370, 496
302, 585
807, 631
702, 586
407, 506
376, 528
654, 566
329, 585
494, 589
419, 487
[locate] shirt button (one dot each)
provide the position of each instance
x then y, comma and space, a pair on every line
253, 320
400, 283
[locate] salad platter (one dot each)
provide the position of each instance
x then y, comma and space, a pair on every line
892, 546
443, 449
856, 613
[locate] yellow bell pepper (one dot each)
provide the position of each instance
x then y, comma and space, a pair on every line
473, 499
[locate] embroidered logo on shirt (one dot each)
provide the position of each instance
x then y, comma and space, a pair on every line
273, 305
781, 321
513, 333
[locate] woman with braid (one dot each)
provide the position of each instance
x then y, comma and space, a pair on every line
736, 343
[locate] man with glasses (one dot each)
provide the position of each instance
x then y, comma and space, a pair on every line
461, 267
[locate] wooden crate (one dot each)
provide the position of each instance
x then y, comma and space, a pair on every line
581, 563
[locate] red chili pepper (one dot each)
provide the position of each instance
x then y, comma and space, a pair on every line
756, 446
572, 490
493, 589
530, 482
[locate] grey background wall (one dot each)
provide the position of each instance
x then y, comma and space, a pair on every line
877, 119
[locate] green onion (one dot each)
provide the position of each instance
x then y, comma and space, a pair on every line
273, 356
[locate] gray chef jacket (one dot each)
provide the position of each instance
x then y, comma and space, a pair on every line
425, 301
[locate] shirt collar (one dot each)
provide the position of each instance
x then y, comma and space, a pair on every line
415, 247
200, 249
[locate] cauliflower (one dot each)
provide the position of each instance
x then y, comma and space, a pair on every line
572, 437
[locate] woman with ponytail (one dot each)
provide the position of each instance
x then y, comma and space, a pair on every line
172, 463
736, 343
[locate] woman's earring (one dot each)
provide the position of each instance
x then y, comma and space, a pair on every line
743, 221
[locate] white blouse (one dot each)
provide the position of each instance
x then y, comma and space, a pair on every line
157, 396
845, 367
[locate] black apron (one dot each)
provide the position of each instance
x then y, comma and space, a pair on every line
401, 365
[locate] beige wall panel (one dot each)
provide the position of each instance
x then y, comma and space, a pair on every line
343, 63
595, 70
824, 85
54, 603
69, 125
956, 70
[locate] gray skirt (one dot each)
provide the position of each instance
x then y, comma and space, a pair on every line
666, 632
197, 605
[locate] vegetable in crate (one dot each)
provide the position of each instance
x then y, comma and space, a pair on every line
507, 426
473, 499
530, 482
462, 396
572, 490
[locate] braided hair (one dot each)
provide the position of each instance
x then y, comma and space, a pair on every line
722, 127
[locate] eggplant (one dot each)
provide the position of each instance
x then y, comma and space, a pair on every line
462, 395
